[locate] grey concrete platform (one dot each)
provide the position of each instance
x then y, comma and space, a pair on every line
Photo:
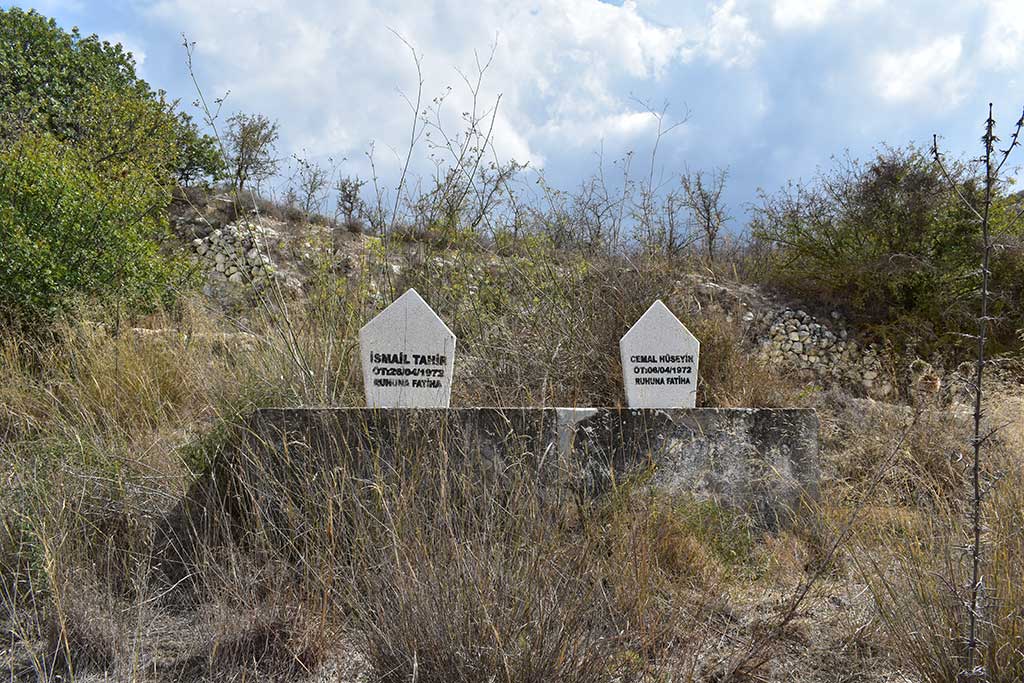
762, 461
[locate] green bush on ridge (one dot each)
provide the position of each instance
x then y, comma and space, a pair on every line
889, 241
48, 76
88, 160
75, 224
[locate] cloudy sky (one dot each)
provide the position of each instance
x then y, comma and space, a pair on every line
770, 89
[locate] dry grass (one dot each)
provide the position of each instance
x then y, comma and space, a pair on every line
912, 557
105, 431
525, 591
441, 566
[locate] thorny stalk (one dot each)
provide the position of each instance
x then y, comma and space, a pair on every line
974, 670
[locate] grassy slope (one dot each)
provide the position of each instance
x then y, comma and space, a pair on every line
102, 433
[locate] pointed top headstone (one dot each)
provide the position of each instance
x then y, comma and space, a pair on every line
408, 355
659, 361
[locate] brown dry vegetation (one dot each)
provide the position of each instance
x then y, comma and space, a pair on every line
439, 570
141, 541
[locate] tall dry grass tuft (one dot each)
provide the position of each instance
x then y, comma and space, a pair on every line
458, 563
542, 327
913, 560
732, 376
536, 603
98, 441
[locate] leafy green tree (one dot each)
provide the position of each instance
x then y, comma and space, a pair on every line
81, 221
47, 75
251, 141
89, 155
199, 156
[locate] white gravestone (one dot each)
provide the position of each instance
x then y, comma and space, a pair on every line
408, 355
659, 361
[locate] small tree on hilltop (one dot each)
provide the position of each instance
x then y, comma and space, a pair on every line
312, 181
702, 196
251, 143
199, 156
350, 205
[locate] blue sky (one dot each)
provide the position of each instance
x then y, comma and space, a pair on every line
769, 89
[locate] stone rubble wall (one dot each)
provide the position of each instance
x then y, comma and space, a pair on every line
796, 339
792, 339
235, 253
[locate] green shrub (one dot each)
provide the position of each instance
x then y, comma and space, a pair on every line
78, 225
89, 156
199, 156
889, 241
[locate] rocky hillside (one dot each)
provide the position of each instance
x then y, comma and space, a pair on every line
241, 253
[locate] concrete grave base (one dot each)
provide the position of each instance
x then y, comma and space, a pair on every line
764, 462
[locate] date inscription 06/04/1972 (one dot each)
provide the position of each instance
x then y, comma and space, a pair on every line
659, 361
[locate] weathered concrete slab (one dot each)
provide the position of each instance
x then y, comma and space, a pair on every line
763, 461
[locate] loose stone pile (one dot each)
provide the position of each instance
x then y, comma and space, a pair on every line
795, 338
235, 253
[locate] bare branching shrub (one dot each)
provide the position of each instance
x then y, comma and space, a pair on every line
702, 197
310, 183
350, 207
663, 226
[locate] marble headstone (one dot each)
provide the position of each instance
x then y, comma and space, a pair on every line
408, 355
659, 361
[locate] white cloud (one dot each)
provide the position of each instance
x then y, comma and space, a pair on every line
807, 76
798, 14
730, 39
611, 127
560, 65
932, 73
566, 70
1003, 37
